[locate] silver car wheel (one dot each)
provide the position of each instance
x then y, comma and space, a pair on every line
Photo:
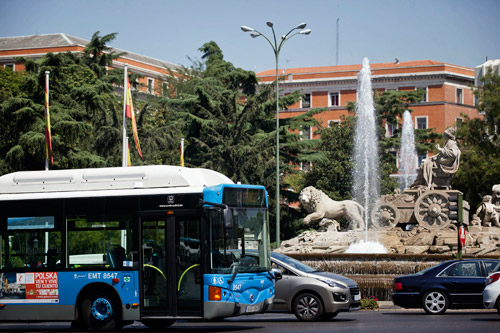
435, 302
308, 307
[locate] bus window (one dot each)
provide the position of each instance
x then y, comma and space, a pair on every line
99, 243
32, 242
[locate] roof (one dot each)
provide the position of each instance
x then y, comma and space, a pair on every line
62, 40
100, 179
357, 67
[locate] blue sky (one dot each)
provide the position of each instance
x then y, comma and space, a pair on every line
461, 32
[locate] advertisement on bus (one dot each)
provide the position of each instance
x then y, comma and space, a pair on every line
31, 287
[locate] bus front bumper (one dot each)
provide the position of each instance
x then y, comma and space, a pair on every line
220, 309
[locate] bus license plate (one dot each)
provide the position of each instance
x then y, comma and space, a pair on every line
252, 308
357, 297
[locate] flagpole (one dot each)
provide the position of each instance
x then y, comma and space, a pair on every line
46, 106
182, 152
124, 143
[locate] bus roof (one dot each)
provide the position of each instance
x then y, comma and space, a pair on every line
137, 177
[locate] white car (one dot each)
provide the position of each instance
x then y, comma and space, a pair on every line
491, 293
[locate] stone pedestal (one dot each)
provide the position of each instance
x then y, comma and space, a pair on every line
479, 241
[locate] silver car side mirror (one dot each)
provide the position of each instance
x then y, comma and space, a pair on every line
277, 273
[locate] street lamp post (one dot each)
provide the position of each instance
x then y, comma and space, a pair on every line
277, 48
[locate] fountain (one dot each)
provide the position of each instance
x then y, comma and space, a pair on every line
410, 229
365, 175
407, 154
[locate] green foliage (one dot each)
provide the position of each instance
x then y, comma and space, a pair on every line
230, 126
10, 83
333, 175
479, 143
98, 55
391, 104
84, 114
369, 303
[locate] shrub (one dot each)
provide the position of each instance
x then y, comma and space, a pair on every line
369, 303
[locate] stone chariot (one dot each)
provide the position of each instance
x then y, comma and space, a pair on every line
429, 209
427, 202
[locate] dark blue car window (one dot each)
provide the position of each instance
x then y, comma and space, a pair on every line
469, 269
491, 266
448, 271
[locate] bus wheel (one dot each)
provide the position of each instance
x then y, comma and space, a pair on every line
101, 311
158, 324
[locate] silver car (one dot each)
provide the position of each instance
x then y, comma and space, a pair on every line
311, 294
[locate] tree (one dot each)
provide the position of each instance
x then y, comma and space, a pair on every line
333, 175
84, 117
97, 55
480, 145
10, 83
230, 125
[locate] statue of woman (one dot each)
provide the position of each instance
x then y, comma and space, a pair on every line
437, 170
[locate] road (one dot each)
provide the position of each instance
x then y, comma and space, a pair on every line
384, 320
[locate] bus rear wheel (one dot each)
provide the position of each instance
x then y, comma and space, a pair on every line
101, 311
158, 324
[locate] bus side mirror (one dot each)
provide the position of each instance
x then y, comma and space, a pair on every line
277, 273
228, 218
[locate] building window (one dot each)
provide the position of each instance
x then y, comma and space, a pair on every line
421, 122
459, 122
424, 98
164, 88
11, 66
306, 133
306, 101
334, 99
150, 86
460, 96
332, 123
390, 129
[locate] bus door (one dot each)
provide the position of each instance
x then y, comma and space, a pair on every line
171, 256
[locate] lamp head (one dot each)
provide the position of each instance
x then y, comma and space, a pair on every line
246, 29
301, 26
255, 34
269, 24
305, 32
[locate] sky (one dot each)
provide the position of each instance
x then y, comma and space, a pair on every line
460, 32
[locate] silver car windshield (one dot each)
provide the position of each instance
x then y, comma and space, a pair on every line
294, 263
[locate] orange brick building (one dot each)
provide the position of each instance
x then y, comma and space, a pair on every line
448, 89
36, 46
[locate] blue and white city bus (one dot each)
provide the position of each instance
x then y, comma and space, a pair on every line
105, 247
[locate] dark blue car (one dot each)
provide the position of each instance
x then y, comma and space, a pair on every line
454, 284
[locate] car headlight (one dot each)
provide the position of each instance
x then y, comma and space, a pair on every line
333, 284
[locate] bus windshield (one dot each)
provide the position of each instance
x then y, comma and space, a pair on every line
244, 246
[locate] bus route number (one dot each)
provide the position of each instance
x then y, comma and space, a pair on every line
109, 275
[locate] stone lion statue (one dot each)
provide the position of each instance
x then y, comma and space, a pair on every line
320, 206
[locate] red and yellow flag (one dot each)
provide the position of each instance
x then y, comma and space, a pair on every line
129, 162
129, 112
48, 139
